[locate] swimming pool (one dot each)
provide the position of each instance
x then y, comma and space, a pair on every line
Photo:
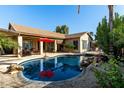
52, 69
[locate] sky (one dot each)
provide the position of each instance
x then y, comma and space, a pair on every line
48, 17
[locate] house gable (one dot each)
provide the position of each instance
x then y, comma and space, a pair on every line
10, 27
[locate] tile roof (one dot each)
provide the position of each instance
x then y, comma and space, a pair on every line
42, 33
76, 35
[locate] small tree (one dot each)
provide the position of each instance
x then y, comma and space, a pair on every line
116, 36
102, 35
69, 47
64, 29
6, 42
58, 29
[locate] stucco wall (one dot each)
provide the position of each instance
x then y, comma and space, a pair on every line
35, 44
88, 39
70, 41
80, 42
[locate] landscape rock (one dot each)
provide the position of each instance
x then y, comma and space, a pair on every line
14, 68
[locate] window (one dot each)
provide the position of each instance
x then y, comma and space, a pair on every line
84, 42
27, 44
75, 43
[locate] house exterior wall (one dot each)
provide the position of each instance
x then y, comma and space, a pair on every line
32, 40
35, 44
32, 44
87, 39
70, 41
80, 43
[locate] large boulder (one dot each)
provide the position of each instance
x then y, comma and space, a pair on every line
86, 62
99, 58
14, 68
94, 59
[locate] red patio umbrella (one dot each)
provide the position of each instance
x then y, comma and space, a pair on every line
46, 40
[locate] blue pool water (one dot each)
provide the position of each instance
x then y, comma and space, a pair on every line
59, 68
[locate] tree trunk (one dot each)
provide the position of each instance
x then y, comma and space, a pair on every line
78, 9
110, 16
111, 26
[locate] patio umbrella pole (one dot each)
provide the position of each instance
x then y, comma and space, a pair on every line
47, 41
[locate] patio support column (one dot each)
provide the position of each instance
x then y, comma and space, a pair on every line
55, 46
20, 45
41, 48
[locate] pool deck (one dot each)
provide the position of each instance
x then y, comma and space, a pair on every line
8, 80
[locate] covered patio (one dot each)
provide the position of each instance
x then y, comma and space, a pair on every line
28, 44
28, 40
32, 46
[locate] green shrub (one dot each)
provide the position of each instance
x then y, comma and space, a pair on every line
111, 76
69, 47
7, 42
